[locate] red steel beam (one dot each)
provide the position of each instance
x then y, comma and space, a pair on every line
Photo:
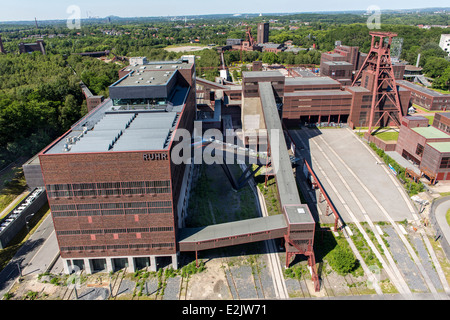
322, 190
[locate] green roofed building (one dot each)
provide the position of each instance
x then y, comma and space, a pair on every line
427, 147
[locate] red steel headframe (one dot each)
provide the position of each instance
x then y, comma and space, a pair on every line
384, 86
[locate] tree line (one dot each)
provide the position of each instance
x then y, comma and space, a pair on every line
40, 98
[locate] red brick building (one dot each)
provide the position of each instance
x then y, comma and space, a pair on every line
116, 197
426, 146
426, 98
442, 121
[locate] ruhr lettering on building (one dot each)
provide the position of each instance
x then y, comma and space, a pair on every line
155, 156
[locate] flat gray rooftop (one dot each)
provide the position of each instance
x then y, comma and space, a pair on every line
421, 89
310, 81
261, 74
317, 93
232, 229
145, 78
107, 128
287, 186
358, 89
338, 63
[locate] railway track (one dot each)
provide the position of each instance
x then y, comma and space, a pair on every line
230, 281
352, 285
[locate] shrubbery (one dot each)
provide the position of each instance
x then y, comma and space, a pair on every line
411, 186
342, 260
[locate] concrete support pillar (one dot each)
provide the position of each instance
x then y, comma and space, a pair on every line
109, 265
131, 265
87, 265
152, 263
68, 266
175, 261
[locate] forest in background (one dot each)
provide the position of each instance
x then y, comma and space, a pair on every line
40, 96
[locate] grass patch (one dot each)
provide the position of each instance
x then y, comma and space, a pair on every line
11, 186
430, 119
213, 200
387, 135
335, 251
270, 193
447, 216
366, 252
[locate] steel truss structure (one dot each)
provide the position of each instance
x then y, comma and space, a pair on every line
378, 63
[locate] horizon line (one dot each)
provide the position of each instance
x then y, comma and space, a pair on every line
231, 14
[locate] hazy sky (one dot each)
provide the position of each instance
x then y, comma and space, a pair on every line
11, 10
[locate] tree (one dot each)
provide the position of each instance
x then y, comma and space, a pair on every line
443, 81
342, 260
270, 57
69, 112
435, 66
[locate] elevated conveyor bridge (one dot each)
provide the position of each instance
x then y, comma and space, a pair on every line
296, 225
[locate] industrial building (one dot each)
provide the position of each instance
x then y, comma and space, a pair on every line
31, 47
344, 61
427, 147
263, 33
316, 99
117, 198
115, 195
426, 98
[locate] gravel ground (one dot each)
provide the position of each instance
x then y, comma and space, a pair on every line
244, 282
266, 279
126, 287
231, 284
425, 259
404, 262
293, 287
152, 286
172, 288
93, 294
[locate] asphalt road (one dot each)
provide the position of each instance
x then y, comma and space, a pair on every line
340, 142
34, 256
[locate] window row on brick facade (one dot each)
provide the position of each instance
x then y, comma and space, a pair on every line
109, 231
87, 213
112, 205
107, 189
108, 209
120, 246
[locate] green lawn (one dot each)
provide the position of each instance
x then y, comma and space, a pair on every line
12, 184
430, 119
387, 135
